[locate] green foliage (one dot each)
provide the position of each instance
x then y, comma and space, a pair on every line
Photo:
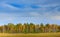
29, 28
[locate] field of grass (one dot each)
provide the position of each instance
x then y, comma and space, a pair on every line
30, 35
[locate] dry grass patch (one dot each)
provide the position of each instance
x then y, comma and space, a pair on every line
30, 35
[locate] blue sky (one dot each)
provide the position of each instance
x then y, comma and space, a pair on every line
35, 11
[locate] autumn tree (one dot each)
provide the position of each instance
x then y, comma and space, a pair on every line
37, 30
47, 28
26, 28
19, 28
11, 28
32, 28
41, 27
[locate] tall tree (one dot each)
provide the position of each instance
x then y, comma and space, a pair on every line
19, 28
11, 27
32, 28
47, 28
26, 28
37, 28
41, 27
54, 28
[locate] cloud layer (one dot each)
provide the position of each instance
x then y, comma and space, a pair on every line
44, 10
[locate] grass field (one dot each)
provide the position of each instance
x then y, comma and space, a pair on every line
30, 35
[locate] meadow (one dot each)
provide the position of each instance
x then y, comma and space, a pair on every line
30, 35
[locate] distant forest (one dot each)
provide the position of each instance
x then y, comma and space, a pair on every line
29, 28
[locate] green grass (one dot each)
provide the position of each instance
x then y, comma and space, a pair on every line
31, 35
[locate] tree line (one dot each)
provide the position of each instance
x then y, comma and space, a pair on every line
29, 28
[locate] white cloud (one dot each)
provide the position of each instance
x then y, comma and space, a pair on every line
49, 5
55, 17
51, 15
7, 6
7, 17
34, 14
